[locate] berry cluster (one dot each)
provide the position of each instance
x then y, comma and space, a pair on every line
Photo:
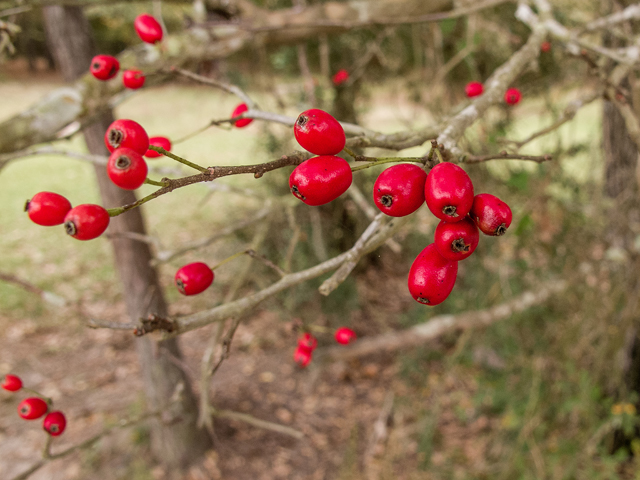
105, 67
307, 343
32, 408
512, 96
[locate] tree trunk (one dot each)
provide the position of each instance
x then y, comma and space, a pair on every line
71, 43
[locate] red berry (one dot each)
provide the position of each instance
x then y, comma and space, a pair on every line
128, 134
340, 77
320, 180
163, 142
11, 383
302, 356
54, 423
491, 214
308, 341
545, 46
473, 89
194, 278
239, 110
86, 221
448, 192
47, 208
399, 190
32, 408
456, 241
345, 336
104, 67
512, 96
133, 79
148, 28
126, 168
318, 132
432, 277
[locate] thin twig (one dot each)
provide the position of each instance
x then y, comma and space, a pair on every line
505, 156
256, 422
227, 87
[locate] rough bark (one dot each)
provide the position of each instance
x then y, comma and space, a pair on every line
181, 442
88, 97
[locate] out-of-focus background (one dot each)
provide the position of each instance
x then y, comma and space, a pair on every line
547, 393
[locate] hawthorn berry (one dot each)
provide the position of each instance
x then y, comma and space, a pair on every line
320, 180
545, 47
456, 241
340, 77
431, 277
133, 79
86, 221
239, 110
491, 214
302, 356
448, 192
47, 208
194, 278
126, 133
318, 132
12, 383
473, 89
512, 96
148, 28
163, 142
344, 336
399, 190
32, 408
308, 341
126, 168
54, 423
104, 67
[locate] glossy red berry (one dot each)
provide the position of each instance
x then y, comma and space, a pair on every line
148, 28
491, 214
11, 383
133, 79
456, 241
448, 192
318, 132
239, 110
194, 278
302, 356
126, 168
399, 190
104, 67
320, 180
54, 423
512, 96
47, 208
32, 408
86, 221
473, 89
307, 340
340, 77
344, 336
163, 142
545, 47
128, 134
432, 277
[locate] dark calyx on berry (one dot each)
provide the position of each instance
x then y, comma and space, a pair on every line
386, 200
450, 210
97, 66
501, 230
180, 285
70, 228
297, 193
123, 162
115, 137
459, 245
423, 300
302, 119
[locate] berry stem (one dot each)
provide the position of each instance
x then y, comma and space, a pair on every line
439, 155
38, 394
350, 152
228, 259
382, 161
175, 157
148, 181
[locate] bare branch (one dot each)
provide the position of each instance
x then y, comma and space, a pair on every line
256, 422
506, 156
45, 295
632, 12
439, 325
227, 87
